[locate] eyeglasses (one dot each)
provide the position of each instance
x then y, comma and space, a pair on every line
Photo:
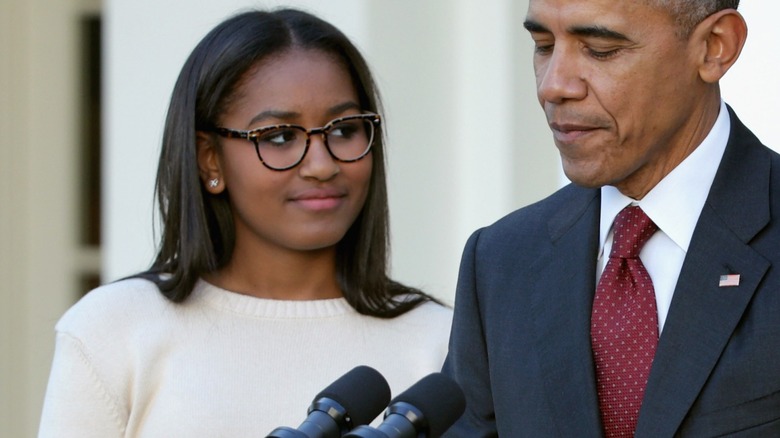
282, 147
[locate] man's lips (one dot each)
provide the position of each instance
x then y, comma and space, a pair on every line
570, 132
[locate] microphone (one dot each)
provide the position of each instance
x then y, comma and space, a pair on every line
354, 399
425, 410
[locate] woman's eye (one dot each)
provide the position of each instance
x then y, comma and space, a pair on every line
344, 130
279, 137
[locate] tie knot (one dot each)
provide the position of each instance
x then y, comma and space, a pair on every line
632, 229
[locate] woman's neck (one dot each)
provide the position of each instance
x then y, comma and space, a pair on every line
282, 275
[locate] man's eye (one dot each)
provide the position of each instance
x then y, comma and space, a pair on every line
543, 49
603, 54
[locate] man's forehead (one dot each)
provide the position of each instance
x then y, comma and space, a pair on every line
585, 8
573, 15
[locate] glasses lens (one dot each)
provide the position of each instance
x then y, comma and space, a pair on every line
281, 147
350, 139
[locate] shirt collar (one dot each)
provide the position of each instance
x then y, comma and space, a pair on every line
675, 203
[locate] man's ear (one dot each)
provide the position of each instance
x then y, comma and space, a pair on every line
723, 34
209, 167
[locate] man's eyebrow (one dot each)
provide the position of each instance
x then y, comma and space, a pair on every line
533, 26
598, 32
585, 31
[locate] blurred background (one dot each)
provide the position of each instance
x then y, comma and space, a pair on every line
84, 86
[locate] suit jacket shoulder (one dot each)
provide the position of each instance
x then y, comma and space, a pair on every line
544, 221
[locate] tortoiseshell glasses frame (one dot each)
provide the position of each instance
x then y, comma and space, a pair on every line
284, 146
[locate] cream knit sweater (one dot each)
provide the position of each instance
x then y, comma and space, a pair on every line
129, 363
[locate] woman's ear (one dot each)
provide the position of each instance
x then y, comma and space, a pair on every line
724, 34
209, 166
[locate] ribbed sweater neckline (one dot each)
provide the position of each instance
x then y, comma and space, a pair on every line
226, 300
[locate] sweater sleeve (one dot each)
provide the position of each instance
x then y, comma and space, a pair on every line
77, 402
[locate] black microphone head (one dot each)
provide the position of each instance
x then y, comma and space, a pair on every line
363, 392
440, 400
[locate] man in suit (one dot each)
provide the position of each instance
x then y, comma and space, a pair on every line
630, 91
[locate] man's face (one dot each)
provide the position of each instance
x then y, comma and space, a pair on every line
621, 91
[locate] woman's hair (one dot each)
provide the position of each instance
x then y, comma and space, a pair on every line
198, 234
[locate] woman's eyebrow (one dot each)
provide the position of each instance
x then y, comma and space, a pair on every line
272, 114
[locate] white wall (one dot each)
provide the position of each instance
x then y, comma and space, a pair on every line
752, 86
467, 141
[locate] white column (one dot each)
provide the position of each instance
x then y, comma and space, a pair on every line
468, 142
752, 87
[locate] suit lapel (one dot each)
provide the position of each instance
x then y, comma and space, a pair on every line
563, 295
703, 315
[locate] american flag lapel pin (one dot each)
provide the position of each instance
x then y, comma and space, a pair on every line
729, 280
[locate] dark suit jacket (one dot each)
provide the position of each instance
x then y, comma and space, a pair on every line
520, 345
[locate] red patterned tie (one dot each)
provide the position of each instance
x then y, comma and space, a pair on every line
624, 325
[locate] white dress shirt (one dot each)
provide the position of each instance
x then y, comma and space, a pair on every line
674, 204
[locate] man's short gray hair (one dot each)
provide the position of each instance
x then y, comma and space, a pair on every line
689, 13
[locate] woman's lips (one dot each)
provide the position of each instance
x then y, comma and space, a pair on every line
320, 199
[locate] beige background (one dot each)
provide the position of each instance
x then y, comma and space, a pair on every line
467, 142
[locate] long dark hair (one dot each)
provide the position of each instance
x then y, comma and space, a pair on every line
198, 235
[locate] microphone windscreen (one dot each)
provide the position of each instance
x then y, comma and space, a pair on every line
363, 392
440, 400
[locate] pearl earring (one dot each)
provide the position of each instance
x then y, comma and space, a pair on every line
213, 182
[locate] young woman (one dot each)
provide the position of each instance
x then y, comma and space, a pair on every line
271, 277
